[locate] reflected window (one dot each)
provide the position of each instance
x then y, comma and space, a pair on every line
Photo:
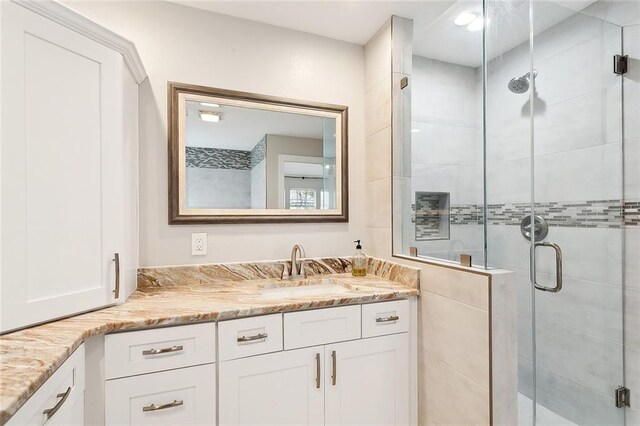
302, 198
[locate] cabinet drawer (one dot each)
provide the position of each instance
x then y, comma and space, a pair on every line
244, 337
138, 352
186, 396
321, 326
60, 400
383, 318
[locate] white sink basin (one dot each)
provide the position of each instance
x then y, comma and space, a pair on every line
322, 288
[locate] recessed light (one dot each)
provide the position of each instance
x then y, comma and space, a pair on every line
465, 18
415, 130
476, 24
212, 117
208, 104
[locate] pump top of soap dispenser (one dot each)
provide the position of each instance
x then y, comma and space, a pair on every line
358, 246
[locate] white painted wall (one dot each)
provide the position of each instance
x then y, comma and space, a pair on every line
177, 43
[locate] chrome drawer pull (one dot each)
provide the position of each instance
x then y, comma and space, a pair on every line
154, 407
388, 319
317, 371
259, 336
116, 290
51, 411
162, 351
334, 366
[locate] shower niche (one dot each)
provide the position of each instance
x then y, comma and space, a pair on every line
432, 216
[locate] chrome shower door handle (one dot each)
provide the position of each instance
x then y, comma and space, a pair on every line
558, 251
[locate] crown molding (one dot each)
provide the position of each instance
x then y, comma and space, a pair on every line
79, 23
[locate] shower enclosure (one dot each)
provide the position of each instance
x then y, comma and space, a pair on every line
519, 139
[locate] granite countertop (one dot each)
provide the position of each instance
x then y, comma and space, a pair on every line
29, 357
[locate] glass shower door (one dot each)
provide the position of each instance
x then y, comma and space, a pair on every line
576, 269
553, 152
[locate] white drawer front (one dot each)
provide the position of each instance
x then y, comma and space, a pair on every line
146, 351
383, 318
186, 396
62, 395
245, 337
321, 326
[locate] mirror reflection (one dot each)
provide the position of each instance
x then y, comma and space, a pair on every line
252, 158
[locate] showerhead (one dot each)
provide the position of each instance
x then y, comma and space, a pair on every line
521, 84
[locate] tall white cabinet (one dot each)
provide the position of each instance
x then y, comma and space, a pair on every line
68, 164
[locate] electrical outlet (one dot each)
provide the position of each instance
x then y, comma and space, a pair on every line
198, 244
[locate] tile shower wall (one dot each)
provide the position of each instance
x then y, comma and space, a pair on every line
446, 155
631, 41
578, 188
225, 178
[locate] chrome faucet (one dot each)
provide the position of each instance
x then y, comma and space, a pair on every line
296, 273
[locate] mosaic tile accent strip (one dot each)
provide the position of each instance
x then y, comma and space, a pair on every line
217, 158
259, 151
587, 214
631, 213
577, 214
431, 211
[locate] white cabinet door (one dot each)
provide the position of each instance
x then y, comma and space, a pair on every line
185, 396
283, 388
367, 382
61, 170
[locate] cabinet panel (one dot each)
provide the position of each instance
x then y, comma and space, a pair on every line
146, 351
367, 382
69, 380
283, 388
383, 318
61, 173
321, 326
186, 396
250, 336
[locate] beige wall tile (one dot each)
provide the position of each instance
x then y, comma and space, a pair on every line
457, 334
378, 203
465, 287
378, 243
401, 127
504, 341
449, 397
402, 44
378, 106
377, 57
378, 155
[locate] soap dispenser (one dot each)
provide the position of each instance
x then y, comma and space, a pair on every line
358, 262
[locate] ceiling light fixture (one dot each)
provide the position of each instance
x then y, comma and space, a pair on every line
208, 104
465, 18
477, 24
415, 130
212, 117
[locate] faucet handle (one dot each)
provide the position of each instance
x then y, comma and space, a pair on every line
285, 270
303, 263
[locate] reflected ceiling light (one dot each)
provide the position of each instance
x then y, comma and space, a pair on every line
212, 117
465, 18
209, 104
476, 24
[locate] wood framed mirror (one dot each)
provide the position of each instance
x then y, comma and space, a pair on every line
237, 157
